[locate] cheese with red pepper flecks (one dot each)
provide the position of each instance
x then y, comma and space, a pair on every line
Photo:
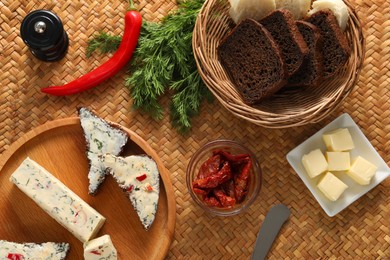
100, 248
62, 204
138, 175
44, 251
101, 138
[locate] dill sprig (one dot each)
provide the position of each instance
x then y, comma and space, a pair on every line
103, 42
163, 62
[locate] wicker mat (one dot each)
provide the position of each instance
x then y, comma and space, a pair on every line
361, 231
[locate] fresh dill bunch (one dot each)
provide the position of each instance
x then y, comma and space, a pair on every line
186, 102
163, 62
103, 42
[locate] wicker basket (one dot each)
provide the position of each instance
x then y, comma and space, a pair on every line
291, 107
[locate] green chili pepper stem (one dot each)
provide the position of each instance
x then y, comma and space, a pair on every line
131, 3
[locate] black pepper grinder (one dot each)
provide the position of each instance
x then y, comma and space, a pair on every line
44, 34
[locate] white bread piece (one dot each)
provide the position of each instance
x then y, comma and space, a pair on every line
299, 8
254, 9
338, 7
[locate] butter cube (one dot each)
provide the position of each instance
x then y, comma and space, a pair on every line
362, 171
314, 163
338, 161
338, 140
331, 186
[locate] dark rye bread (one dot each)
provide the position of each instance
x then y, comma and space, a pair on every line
252, 59
336, 50
281, 24
311, 70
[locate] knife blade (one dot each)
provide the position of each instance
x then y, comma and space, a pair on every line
273, 221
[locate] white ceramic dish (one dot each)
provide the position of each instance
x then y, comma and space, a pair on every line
363, 148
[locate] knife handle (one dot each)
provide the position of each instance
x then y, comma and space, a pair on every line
273, 221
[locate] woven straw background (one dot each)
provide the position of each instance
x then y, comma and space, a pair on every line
361, 231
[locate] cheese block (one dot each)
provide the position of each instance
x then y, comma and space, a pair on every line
43, 251
362, 171
100, 248
62, 204
338, 140
101, 138
314, 163
139, 177
331, 186
338, 161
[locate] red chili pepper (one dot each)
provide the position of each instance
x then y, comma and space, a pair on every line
141, 177
133, 23
129, 189
15, 256
75, 216
95, 252
148, 187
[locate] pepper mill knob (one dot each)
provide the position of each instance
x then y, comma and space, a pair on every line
40, 27
44, 34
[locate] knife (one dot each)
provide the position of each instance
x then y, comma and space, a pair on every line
273, 221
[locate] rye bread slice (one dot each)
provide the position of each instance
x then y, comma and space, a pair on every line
281, 24
336, 49
252, 59
311, 70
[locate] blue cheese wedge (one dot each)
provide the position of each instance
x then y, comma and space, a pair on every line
57, 200
44, 251
100, 248
101, 138
138, 175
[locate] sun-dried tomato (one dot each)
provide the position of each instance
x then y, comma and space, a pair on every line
214, 180
232, 158
226, 201
241, 181
209, 167
200, 191
212, 202
228, 188
223, 179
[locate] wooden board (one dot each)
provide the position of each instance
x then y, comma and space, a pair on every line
59, 146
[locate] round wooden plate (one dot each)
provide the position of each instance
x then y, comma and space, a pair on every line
59, 146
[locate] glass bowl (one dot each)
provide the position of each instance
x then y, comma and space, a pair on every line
234, 148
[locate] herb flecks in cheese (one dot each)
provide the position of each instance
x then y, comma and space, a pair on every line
101, 138
62, 204
44, 251
143, 191
100, 248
